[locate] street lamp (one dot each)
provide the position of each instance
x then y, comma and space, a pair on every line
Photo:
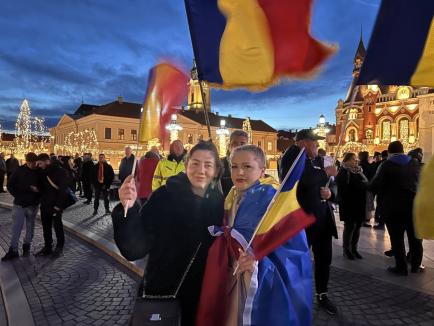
222, 133
173, 127
322, 130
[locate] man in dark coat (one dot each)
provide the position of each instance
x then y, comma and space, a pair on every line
54, 183
378, 216
23, 186
78, 165
87, 177
237, 138
103, 176
2, 171
314, 197
396, 180
11, 165
126, 166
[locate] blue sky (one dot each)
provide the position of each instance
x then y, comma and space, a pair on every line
58, 52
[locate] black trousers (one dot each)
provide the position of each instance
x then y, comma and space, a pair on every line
396, 230
351, 235
87, 190
49, 219
321, 244
99, 189
2, 180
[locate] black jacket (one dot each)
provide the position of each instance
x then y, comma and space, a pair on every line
169, 227
308, 191
87, 171
352, 189
50, 195
396, 182
109, 175
11, 165
126, 167
226, 180
19, 186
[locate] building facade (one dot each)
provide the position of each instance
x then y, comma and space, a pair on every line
380, 114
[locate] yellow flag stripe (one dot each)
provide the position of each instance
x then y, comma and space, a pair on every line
424, 74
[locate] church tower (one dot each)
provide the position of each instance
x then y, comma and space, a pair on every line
195, 101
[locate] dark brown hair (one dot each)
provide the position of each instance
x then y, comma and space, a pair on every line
207, 146
348, 156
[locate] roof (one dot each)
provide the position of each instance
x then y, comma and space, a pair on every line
361, 51
231, 122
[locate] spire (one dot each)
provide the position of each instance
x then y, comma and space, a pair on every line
361, 51
194, 70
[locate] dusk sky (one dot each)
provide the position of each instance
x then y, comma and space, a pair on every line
57, 53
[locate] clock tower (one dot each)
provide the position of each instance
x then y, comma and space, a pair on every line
195, 101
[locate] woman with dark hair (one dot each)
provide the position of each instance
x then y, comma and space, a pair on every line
172, 227
352, 185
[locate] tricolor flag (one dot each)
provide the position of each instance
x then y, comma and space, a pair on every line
424, 203
285, 217
167, 89
252, 43
401, 49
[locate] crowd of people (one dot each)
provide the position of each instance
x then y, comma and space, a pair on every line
170, 204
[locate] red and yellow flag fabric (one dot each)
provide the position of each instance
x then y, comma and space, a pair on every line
252, 43
167, 89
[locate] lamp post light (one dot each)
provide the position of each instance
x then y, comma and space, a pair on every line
222, 133
174, 128
322, 130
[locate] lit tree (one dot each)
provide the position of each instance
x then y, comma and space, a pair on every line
23, 128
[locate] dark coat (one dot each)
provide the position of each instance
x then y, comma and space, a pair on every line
396, 182
109, 175
11, 165
87, 171
126, 167
351, 196
169, 227
226, 179
50, 195
368, 169
19, 186
308, 192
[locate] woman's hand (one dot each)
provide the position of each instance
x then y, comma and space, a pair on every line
128, 192
325, 193
246, 262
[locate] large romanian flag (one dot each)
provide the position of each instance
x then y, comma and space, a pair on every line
401, 49
424, 204
167, 89
285, 218
252, 43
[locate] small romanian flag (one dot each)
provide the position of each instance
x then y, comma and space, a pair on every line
401, 49
167, 89
252, 43
285, 218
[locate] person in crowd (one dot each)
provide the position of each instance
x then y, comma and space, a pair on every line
172, 227
53, 184
171, 166
11, 165
367, 170
78, 163
352, 186
145, 173
417, 154
396, 180
103, 176
2, 171
314, 197
378, 217
68, 165
87, 177
236, 139
126, 166
23, 186
281, 283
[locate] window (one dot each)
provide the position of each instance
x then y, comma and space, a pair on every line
369, 134
385, 130
269, 146
259, 143
133, 134
121, 134
352, 135
200, 137
190, 139
353, 114
403, 129
108, 133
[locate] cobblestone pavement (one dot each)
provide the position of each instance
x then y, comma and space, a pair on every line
82, 287
2, 310
361, 298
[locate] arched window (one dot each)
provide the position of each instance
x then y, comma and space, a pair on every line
369, 134
385, 130
403, 129
353, 114
352, 135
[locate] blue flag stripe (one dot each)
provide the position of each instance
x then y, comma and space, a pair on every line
295, 174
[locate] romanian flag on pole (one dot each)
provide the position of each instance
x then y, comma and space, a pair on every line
252, 43
424, 203
401, 22
285, 217
167, 89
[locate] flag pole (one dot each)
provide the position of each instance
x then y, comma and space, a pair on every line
272, 201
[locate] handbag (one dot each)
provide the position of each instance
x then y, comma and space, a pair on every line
160, 310
70, 198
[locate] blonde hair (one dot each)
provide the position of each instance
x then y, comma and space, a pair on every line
257, 152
